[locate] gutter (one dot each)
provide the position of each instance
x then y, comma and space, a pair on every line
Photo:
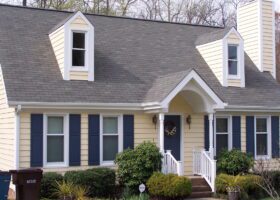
17, 135
250, 109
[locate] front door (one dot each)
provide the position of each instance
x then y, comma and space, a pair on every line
172, 135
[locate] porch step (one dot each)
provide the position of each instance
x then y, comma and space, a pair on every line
200, 188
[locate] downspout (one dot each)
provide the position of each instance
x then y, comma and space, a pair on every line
17, 132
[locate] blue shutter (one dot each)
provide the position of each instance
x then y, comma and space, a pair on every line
93, 140
236, 132
275, 136
74, 140
250, 135
36, 140
206, 132
128, 131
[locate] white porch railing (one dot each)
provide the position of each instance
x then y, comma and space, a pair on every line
204, 166
170, 165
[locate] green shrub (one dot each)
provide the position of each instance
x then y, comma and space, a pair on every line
100, 182
234, 162
169, 186
48, 184
248, 185
136, 166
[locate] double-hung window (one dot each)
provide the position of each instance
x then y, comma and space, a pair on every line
55, 140
233, 60
78, 49
222, 133
262, 132
111, 138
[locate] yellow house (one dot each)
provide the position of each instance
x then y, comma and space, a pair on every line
76, 89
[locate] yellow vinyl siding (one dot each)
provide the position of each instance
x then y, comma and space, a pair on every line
78, 75
248, 27
7, 130
233, 38
144, 129
267, 33
57, 41
24, 140
78, 24
213, 55
84, 139
234, 82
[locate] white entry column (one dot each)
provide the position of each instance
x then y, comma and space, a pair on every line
211, 135
161, 132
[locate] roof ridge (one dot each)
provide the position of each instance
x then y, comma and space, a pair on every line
120, 17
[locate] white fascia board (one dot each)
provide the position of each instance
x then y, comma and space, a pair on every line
250, 109
192, 75
63, 105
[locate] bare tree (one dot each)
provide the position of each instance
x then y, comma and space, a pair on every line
263, 168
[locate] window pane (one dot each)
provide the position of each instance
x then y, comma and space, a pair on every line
55, 149
110, 147
232, 67
261, 144
79, 40
110, 125
261, 125
78, 58
221, 125
232, 52
222, 143
55, 125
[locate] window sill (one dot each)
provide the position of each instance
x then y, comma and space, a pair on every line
262, 157
108, 164
55, 165
83, 69
231, 77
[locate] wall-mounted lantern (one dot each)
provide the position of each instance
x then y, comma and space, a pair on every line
189, 120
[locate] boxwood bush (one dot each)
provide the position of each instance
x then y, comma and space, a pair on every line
136, 166
48, 184
248, 185
234, 162
169, 186
101, 182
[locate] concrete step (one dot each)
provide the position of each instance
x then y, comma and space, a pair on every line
201, 194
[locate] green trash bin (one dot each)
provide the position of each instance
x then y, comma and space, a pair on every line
28, 183
5, 179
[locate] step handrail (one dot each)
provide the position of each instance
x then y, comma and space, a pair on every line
204, 166
170, 165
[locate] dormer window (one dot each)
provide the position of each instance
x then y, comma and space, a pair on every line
232, 60
78, 49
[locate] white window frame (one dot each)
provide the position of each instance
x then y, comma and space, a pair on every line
229, 133
85, 67
269, 149
231, 76
65, 163
120, 137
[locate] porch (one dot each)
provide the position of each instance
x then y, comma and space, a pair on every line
185, 129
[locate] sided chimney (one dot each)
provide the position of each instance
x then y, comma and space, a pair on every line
256, 24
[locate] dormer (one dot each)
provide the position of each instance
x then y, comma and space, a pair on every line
73, 45
223, 51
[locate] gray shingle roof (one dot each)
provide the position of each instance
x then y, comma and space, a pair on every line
212, 36
136, 61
